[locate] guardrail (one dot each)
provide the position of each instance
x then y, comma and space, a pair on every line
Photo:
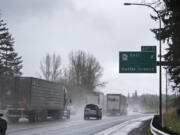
156, 131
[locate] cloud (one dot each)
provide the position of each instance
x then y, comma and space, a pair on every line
17, 10
99, 27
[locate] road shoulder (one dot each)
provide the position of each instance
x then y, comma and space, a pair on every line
142, 129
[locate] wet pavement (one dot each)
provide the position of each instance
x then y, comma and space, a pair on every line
142, 129
78, 126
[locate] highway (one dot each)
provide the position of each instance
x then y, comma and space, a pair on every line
109, 125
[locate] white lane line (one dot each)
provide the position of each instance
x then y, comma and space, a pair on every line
114, 130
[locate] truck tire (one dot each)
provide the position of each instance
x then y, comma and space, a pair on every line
3, 126
68, 117
56, 114
30, 119
43, 115
38, 116
68, 114
32, 116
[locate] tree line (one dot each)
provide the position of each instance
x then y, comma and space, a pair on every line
145, 102
170, 34
83, 71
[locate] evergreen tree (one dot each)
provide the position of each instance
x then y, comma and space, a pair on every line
171, 34
10, 62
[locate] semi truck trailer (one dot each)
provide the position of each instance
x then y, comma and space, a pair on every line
116, 104
93, 99
33, 98
97, 99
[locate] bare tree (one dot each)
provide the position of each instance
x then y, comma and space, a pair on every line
56, 71
51, 67
45, 66
85, 70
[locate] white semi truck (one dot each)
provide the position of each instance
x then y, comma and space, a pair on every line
95, 99
92, 99
33, 98
116, 104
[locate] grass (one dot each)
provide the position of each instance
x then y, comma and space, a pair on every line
148, 129
171, 120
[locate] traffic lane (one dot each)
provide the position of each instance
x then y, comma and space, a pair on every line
74, 126
78, 126
24, 125
98, 127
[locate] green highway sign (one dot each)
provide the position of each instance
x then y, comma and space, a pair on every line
148, 48
137, 62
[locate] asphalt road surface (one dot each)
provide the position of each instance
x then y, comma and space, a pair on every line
116, 125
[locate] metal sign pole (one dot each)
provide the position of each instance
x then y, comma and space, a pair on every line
160, 72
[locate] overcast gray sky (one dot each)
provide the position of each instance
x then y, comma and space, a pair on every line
99, 27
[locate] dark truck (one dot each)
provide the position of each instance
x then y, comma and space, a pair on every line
32, 98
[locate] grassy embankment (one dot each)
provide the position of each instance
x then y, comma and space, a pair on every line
171, 118
172, 121
148, 129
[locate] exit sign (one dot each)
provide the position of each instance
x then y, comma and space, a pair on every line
148, 48
137, 62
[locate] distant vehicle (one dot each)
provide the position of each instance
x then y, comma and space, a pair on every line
92, 110
3, 125
116, 104
93, 99
135, 109
33, 98
96, 98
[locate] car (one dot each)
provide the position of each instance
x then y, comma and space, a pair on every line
135, 109
92, 110
3, 125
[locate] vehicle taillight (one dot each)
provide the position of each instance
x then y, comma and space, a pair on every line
97, 110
